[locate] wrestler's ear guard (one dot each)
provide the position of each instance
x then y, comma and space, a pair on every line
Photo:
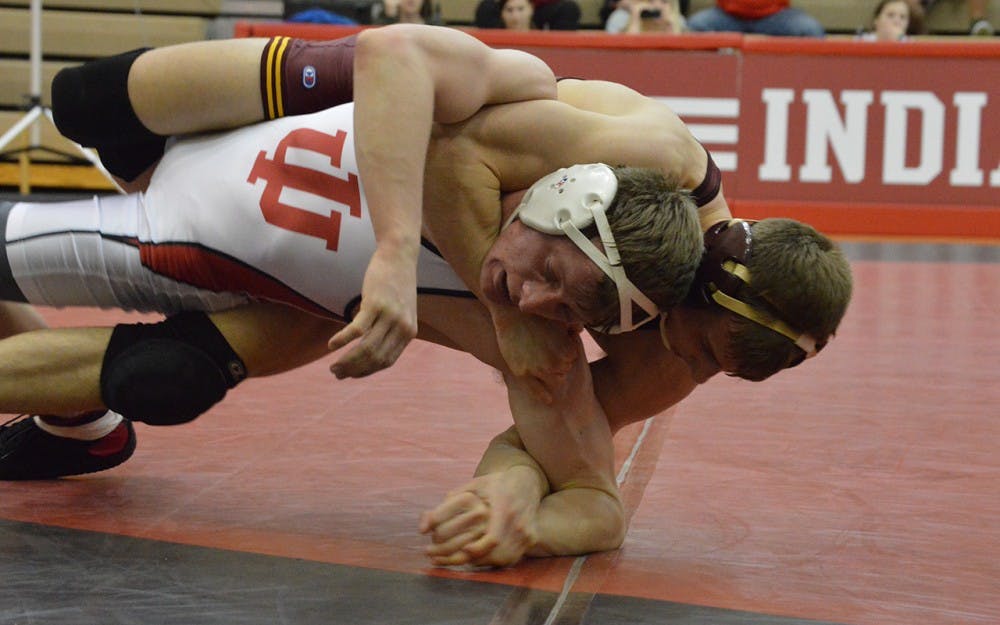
572, 199
723, 273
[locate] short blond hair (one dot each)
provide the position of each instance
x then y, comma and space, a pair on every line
655, 225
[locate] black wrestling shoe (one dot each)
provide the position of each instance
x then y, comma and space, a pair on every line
27, 452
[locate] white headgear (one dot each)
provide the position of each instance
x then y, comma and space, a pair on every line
570, 200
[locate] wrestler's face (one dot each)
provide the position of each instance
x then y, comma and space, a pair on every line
541, 274
699, 337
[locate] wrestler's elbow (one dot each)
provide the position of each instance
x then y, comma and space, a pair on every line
595, 523
610, 527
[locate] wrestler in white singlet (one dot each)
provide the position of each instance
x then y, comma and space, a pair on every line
273, 211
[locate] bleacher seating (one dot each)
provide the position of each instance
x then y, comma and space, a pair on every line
76, 30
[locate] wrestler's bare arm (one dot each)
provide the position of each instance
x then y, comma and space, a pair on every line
617, 100
405, 78
504, 514
501, 504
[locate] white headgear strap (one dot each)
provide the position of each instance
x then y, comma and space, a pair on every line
568, 201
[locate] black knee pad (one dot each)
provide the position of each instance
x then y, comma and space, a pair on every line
170, 372
128, 161
90, 105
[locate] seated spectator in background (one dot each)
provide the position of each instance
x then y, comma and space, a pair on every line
890, 21
320, 16
328, 11
516, 14
548, 14
979, 25
760, 17
406, 12
610, 6
488, 14
646, 16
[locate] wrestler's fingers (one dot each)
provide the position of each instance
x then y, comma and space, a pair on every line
453, 546
378, 349
481, 547
454, 504
457, 558
358, 326
471, 520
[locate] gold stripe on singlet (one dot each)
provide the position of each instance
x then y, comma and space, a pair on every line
274, 54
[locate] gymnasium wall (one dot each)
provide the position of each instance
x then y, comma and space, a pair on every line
853, 137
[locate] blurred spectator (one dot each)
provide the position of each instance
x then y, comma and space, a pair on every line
890, 21
548, 14
646, 16
762, 17
328, 11
516, 14
320, 16
609, 7
488, 14
979, 24
406, 12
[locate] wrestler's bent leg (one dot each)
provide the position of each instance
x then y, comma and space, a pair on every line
124, 105
62, 372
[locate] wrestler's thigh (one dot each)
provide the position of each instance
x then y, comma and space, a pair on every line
273, 338
205, 85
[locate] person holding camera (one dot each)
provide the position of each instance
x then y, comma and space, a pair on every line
646, 16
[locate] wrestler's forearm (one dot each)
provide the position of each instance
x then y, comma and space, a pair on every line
393, 113
571, 521
506, 451
569, 438
405, 78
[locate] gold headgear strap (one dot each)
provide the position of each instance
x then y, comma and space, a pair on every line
731, 263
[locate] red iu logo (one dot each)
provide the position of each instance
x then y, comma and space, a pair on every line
280, 174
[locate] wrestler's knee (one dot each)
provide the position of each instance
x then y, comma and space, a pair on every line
91, 105
170, 372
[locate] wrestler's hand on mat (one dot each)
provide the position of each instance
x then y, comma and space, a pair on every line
386, 320
489, 521
541, 350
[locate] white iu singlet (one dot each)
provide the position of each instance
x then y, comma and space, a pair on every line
274, 211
